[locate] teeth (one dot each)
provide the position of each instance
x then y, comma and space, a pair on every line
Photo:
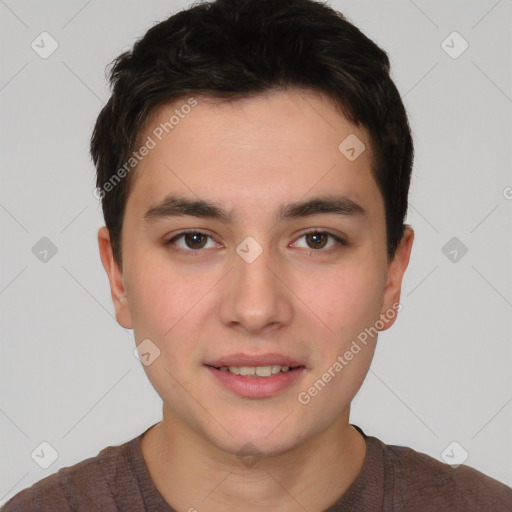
259, 371
263, 371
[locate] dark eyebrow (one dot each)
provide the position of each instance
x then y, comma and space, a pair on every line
174, 205
339, 205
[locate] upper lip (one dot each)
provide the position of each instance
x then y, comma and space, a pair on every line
267, 359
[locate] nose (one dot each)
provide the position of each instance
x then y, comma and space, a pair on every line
256, 299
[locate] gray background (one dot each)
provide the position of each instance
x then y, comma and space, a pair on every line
441, 374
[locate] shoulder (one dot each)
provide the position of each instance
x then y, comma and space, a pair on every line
419, 478
83, 486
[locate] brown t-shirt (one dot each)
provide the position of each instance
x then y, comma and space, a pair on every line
393, 478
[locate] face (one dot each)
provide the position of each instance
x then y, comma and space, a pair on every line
255, 276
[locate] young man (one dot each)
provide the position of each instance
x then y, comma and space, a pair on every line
253, 163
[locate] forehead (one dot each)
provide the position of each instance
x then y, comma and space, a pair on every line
272, 148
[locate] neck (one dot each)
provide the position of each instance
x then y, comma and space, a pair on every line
191, 473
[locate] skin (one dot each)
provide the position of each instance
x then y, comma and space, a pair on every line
251, 156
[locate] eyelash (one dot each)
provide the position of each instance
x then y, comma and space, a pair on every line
199, 252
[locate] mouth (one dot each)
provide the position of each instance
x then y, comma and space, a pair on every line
258, 371
260, 375
263, 381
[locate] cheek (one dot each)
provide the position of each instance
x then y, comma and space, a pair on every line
348, 303
151, 303
349, 300
167, 303
152, 290
162, 308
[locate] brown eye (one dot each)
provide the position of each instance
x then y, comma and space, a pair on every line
317, 240
191, 242
195, 240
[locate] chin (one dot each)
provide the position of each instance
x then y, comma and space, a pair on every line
270, 437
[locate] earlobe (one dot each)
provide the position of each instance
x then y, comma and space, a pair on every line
115, 277
396, 271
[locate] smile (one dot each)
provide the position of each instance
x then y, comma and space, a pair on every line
257, 381
257, 371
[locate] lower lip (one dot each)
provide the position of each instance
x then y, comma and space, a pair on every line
257, 387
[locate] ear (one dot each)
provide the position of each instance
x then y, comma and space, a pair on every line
115, 277
396, 270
